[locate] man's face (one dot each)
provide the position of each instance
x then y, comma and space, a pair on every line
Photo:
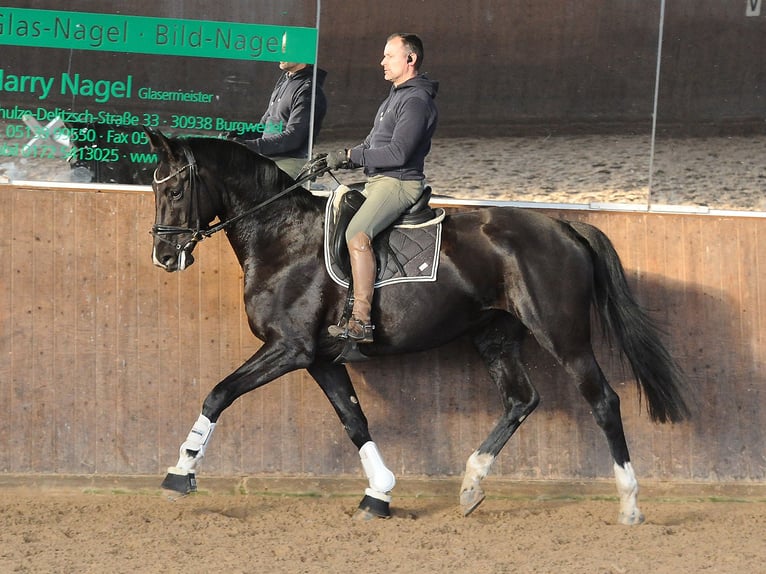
396, 69
291, 67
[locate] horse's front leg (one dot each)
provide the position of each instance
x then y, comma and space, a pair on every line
271, 361
336, 384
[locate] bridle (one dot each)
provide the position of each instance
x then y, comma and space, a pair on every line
165, 232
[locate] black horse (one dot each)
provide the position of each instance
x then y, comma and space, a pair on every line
504, 273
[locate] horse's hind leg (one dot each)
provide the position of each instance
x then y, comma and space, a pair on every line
500, 346
561, 325
605, 405
573, 350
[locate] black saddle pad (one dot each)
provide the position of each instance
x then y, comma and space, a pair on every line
408, 253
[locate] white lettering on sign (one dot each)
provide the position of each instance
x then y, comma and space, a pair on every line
753, 8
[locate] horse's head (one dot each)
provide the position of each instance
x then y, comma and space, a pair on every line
179, 221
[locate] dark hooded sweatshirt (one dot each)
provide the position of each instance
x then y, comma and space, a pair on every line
401, 133
290, 105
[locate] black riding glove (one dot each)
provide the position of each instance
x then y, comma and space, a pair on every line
338, 159
317, 166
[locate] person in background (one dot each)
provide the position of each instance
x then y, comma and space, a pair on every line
287, 120
393, 157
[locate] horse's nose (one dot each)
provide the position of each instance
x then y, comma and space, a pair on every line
167, 261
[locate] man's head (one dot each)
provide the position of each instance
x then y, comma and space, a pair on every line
402, 57
291, 67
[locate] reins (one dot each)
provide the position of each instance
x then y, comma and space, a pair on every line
199, 234
302, 178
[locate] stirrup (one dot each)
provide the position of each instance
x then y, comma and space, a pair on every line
350, 353
360, 331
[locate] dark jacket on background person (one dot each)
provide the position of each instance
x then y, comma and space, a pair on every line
400, 138
290, 105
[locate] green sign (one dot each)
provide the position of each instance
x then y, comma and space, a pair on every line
161, 36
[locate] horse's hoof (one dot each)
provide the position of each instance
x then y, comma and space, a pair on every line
471, 499
362, 515
632, 519
179, 480
371, 508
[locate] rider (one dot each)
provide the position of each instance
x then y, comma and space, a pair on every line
393, 155
290, 108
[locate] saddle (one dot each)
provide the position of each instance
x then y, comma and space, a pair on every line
420, 214
408, 250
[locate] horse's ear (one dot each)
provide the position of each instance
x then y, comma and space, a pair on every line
158, 141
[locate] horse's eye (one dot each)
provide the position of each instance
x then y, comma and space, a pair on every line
176, 192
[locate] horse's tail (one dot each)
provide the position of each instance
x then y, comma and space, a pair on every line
656, 372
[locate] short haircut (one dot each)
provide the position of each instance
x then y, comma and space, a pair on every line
413, 44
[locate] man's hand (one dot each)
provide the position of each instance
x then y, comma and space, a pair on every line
338, 159
317, 166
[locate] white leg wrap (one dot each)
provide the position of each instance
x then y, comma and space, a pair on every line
196, 442
627, 488
381, 479
476, 469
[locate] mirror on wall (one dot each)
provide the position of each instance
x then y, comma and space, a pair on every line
555, 102
77, 85
641, 106
634, 106
711, 107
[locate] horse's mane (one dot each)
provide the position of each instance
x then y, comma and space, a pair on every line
245, 169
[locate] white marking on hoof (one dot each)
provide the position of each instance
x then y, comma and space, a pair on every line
471, 499
476, 469
627, 488
633, 519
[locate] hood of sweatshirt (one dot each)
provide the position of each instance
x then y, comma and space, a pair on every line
421, 81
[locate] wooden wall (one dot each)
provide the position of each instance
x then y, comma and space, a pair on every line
105, 359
